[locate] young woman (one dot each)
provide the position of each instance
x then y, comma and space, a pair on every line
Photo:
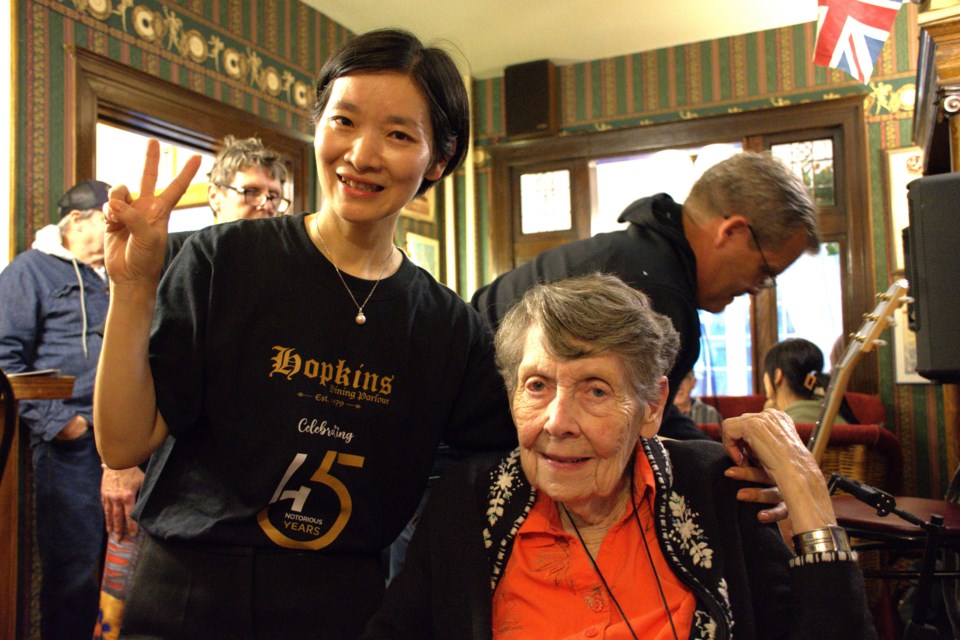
300, 371
795, 383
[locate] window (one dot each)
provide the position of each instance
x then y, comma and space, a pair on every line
193, 211
819, 298
545, 202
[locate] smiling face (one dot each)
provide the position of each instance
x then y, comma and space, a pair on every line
374, 146
578, 422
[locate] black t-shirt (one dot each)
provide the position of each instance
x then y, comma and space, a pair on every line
291, 425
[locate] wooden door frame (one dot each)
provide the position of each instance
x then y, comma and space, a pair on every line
104, 89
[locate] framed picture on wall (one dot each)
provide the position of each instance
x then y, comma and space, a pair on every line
901, 166
905, 350
421, 207
424, 252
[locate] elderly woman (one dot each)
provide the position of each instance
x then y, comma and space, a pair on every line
594, 527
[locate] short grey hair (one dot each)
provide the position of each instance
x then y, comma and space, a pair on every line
238, 154
587, 316
764, 190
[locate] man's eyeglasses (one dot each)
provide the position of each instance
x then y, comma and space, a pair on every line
770, 279
256, 198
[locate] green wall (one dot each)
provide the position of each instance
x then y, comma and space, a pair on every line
762, 70
263, 56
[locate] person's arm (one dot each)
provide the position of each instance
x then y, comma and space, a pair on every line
480, 418
827, 596
769, 440
127, 425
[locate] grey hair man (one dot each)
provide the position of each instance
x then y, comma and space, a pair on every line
745, 221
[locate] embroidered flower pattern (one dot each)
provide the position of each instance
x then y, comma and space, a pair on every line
506, 482
688, 533
554, 563
705, 625
502, 489
722, 588
594, 599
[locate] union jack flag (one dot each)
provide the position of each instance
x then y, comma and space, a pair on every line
851, 33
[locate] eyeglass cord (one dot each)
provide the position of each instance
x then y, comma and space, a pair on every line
646, 546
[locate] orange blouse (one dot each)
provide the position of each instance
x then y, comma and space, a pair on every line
550, 589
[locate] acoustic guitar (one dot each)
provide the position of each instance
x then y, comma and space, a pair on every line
863, 341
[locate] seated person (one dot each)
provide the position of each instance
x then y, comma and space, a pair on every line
795, 383
694, 408
596, 527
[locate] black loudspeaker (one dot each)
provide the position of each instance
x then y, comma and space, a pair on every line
531, 98
932, 259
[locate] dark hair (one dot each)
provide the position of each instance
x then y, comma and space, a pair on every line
801, 363
431, 69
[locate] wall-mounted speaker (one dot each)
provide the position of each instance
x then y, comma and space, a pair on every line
531, 98
931, 243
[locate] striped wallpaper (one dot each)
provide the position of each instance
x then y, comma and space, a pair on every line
263, 56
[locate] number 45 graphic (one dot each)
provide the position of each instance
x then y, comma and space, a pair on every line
299, 497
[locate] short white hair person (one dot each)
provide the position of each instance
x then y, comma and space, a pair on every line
593, 526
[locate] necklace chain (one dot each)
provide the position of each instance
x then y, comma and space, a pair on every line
596, 567
360, 318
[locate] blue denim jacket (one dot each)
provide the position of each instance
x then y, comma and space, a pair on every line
52, 310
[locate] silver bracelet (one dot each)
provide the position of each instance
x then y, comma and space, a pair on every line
827, 539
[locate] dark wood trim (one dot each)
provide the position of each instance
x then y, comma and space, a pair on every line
110, 91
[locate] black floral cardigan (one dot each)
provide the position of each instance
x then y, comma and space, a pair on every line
747, 583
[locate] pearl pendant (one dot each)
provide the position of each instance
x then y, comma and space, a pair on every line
361, 319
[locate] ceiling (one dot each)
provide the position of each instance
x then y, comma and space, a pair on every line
492, 34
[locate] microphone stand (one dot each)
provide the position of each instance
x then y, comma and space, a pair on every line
885, 504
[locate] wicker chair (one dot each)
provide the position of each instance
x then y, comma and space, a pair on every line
865, 452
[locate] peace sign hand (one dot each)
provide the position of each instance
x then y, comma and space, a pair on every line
136, 233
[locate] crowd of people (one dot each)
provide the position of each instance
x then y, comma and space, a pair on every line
271, 393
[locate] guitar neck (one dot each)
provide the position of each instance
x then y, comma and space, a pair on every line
817, 444
861, 343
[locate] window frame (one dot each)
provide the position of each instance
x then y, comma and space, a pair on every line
105, 90
848, 222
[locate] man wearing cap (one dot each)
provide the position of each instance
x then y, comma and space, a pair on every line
53, 303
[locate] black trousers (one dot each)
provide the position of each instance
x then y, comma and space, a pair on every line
186, 591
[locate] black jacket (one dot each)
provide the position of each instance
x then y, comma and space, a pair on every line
741, 572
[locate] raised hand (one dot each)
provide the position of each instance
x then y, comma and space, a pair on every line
769, 440
137, 229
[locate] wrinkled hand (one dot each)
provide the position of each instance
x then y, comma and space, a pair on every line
769, 440
137, 229
118, 492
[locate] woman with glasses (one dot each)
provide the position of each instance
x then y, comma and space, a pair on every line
301, 370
